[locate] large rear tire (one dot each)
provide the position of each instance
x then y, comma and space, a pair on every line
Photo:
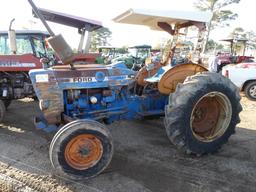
202, 113
2, 110
81, 149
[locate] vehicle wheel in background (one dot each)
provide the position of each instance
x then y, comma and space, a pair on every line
250, 90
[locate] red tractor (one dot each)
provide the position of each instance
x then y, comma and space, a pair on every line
232, 57
15, 64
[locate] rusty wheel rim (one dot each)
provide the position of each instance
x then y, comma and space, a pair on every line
83, 151
211, 116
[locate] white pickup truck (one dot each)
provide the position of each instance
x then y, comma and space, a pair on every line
243, 75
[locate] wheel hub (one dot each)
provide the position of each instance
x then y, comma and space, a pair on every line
83, 151
206, 115
253, 91
211, 116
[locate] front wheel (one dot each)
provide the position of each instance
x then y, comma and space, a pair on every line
202, 113
81, 149
250, 90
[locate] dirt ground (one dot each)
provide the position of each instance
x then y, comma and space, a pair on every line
144, 159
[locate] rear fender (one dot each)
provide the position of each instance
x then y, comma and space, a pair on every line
177, 74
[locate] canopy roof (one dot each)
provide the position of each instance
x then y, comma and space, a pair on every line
151, 18
69, 20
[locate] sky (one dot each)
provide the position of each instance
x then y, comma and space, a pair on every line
106, 10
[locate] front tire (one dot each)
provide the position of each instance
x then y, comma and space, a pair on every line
81, 149
202, 113
250, 90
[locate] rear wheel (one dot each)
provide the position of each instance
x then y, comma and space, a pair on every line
250, 90
2, 110
81, 149
202, 113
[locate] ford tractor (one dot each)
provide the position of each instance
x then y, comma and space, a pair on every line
200, 109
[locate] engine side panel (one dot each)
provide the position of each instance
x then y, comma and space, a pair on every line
50, 84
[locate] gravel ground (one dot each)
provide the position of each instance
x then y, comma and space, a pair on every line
144, 159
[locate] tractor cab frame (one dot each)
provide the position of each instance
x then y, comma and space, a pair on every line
28, 42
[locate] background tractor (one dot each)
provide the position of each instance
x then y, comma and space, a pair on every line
15, 62
136, 56
200, 109
107, 54
233, 57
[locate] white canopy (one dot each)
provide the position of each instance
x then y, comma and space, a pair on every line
150, 18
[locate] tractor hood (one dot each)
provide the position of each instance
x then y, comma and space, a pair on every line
83, 76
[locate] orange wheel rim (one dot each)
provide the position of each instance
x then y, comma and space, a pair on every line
211, 117
206, 115
83, 151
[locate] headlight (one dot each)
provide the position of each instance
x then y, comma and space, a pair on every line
93, 99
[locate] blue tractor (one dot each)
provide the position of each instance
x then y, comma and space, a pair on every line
200, 109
